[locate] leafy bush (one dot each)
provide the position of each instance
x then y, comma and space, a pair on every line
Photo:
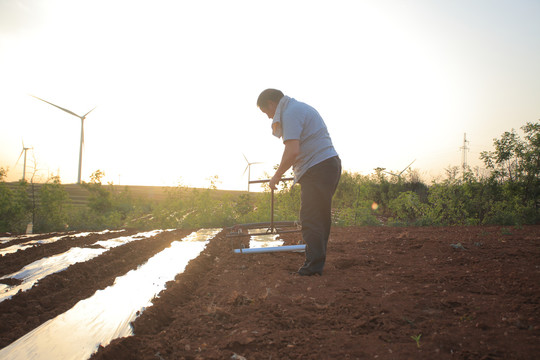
15, 206
361, 214
54, 207
407, 207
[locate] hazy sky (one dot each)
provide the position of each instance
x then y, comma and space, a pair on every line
176, 82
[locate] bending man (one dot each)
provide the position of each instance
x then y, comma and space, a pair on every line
316, 166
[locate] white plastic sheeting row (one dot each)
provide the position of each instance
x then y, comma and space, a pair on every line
5, 239
77, 333
31, 243
39, 269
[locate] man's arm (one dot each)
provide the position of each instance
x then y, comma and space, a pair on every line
292, 149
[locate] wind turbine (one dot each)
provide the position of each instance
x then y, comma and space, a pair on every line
248, 169
402, 171
82, 131
24, 150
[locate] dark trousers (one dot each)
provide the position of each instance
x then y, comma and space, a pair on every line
318, 186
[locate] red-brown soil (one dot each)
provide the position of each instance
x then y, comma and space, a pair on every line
463, 292
381, 287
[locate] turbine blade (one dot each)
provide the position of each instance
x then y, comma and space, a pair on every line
19, 157
408, 166
61, 108
84, 116
245, 158
245, 170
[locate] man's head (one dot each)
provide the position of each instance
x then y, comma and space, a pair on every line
268, 101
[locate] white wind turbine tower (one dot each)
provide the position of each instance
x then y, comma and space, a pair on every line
24, 150
248, 169
82, 132
402, 171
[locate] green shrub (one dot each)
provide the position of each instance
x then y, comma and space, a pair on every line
357, 216
54, 207
15, 207
406, 207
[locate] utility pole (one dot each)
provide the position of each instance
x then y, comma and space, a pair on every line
464, 148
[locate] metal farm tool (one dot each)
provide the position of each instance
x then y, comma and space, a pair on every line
272, 227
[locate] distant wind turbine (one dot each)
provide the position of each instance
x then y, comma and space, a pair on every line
248, 168
402, 171
82, 131
24, 150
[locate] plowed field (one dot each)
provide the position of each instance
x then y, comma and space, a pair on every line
386, 293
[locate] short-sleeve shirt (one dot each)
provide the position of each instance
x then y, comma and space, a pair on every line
302, 122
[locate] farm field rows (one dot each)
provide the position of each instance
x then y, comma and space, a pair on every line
58, 292
387, 292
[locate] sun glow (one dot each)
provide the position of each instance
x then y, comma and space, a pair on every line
175, 85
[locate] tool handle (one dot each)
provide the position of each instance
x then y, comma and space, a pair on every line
268, 180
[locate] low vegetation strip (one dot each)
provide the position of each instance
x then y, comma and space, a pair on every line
506, 192
59, 292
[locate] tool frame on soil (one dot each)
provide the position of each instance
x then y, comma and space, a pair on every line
273, 227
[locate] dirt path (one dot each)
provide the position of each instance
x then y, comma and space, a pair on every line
461, 292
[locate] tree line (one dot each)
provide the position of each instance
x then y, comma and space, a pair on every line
509, 195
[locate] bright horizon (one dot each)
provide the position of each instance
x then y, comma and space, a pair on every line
175, 83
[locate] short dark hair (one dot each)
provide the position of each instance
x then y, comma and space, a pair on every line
269, 95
